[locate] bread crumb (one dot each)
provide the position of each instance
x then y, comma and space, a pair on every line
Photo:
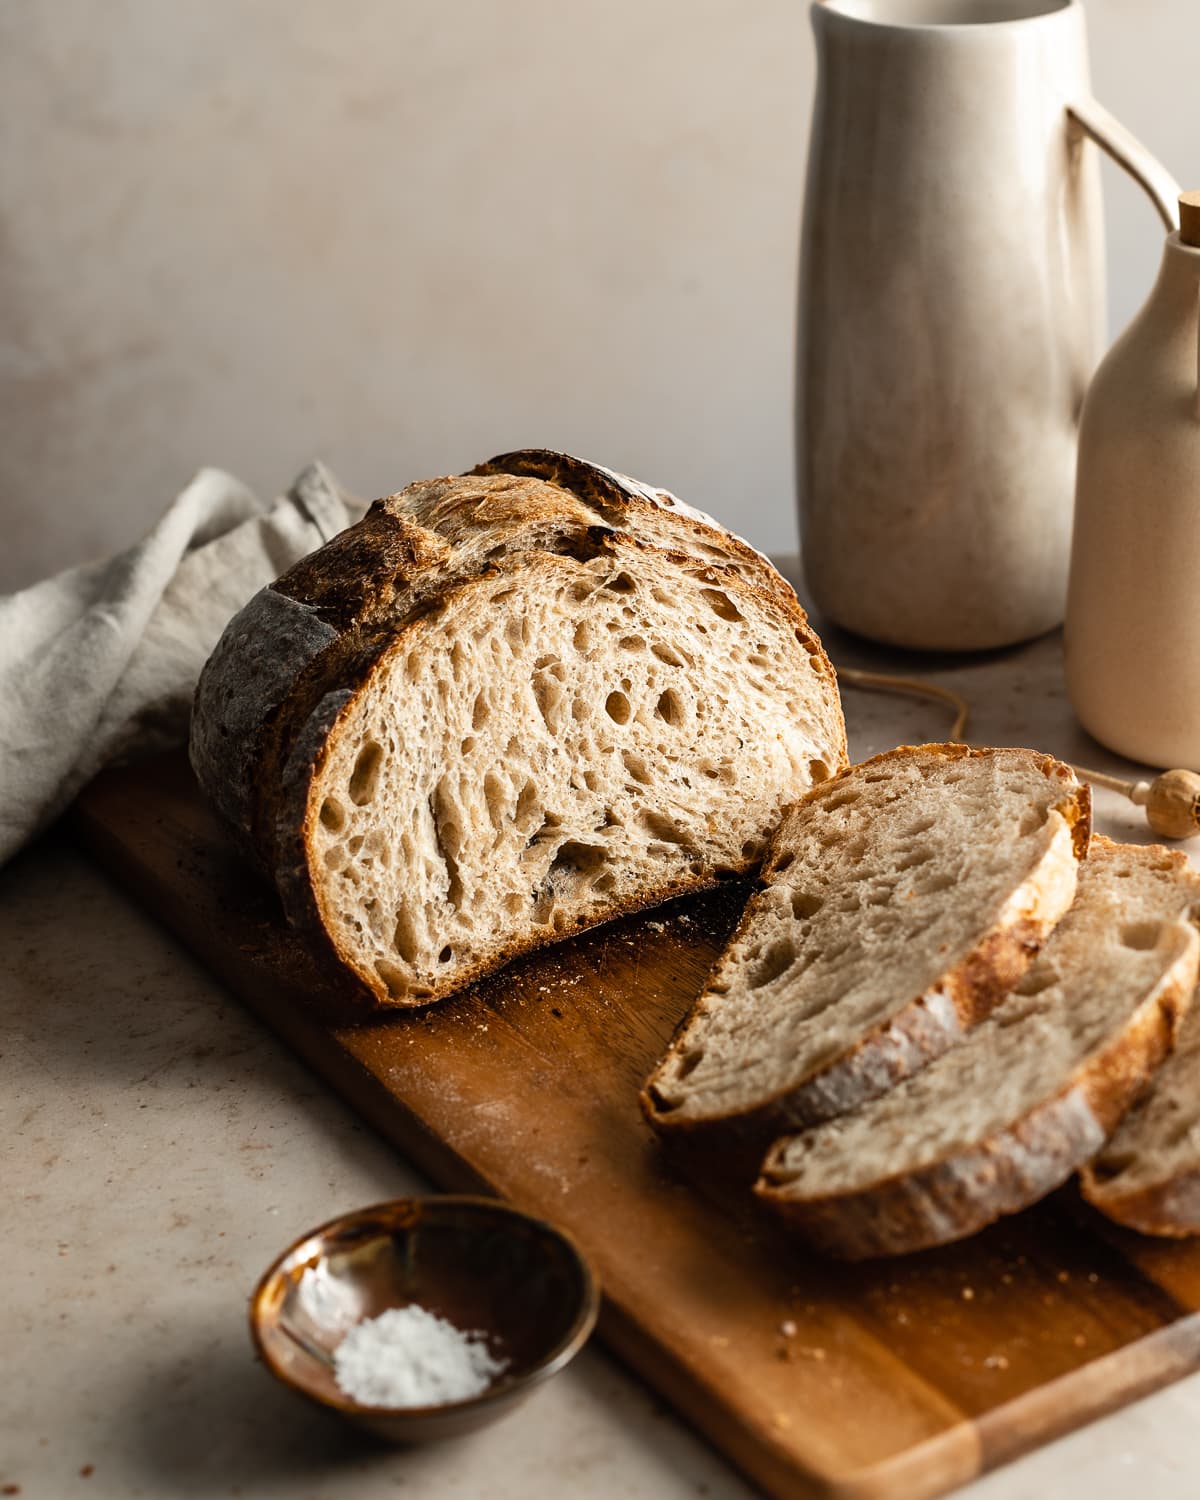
1080, 1340
812, 1353
1063, 1276
996, 1362
788, 1329
968, 1294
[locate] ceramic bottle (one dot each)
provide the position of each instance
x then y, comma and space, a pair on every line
951, 312
1133, 610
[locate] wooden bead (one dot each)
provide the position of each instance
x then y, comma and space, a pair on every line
1189, 218
1173, 805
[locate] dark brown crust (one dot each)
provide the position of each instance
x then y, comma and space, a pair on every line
1012, 1169
914, 1035
358, 594
1168, 1209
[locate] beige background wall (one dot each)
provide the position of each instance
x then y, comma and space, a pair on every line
406, 234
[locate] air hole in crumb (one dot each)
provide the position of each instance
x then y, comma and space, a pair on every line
632, 643
721, 604
667, 655
479, 714
575, 860
1141, 935
333, 815
784, 862
393, 979
842, 799
616, 706
404, 938
364, 779
818, 771
805, 904
637, 767
689, 1061
583, 637
528, 808
660, 826
669, 708
752, 848
777, 960
621, 583
446, 954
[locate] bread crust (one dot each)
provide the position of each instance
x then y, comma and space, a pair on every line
1170, 1209
1018, 1164
289, 667
934, 1021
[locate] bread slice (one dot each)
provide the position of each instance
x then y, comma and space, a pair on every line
1148, 1175
1029, 1096
898, 904
507, 706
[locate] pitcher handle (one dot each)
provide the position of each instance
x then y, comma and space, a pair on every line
1127, 151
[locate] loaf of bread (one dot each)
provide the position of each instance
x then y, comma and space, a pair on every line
898, 904
1029, 1096
507, 706
1148, 1175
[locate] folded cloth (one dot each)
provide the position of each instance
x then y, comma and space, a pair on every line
100, 662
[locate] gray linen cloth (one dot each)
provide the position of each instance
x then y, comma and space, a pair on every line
99, 663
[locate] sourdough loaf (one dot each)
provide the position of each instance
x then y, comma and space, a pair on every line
1029, 1096
898, 904
1148, 1175
506, 706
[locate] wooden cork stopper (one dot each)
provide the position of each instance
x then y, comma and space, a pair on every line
1189, 218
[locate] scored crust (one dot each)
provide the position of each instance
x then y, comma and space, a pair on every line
930, 1023
291, 666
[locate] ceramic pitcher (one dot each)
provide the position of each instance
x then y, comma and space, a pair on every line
1133, 610
951, 312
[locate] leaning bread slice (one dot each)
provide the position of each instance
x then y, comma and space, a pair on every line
504, 707
1148, 1175
899, 902
1030, 1095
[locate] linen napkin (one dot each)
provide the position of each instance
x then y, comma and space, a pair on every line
99, 663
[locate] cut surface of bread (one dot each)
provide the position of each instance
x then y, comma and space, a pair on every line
899, 903
1030, 1095
1148, 1175
505, 707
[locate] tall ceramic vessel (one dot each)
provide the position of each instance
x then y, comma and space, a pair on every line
1133, 611
951, 312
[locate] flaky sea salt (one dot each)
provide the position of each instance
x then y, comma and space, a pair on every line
409, 1356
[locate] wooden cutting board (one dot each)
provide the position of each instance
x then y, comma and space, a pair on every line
898, 1380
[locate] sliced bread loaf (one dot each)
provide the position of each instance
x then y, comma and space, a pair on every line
1148, 1175
1029, 1096
897, 905
507, 706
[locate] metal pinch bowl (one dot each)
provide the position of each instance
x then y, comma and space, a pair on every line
483, 1266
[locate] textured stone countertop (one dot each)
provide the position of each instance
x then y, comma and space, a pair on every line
160, 1147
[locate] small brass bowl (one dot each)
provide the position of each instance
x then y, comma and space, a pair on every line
481, 1265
